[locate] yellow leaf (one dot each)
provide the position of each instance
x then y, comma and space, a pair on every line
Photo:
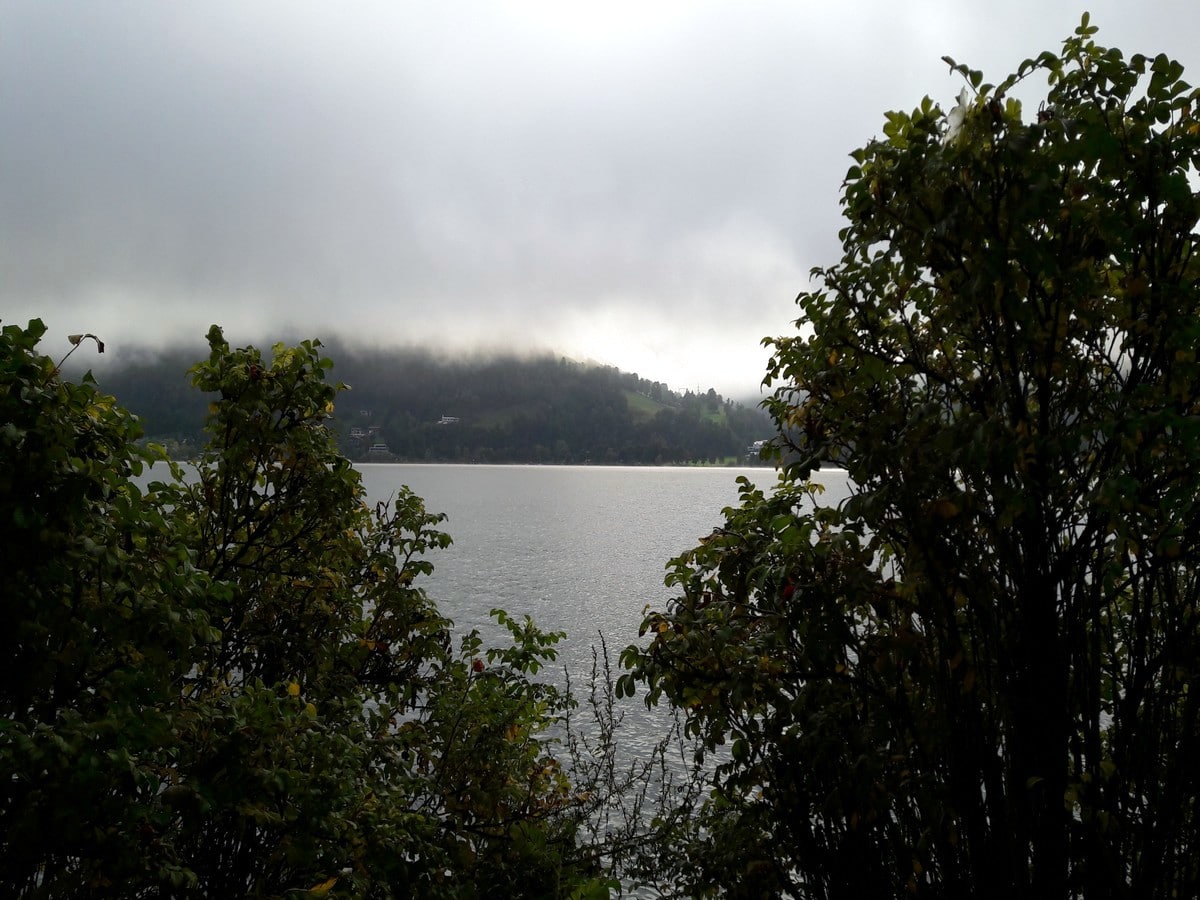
320, 890
293, 690
310, 711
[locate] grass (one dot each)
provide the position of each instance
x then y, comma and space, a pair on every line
641, 406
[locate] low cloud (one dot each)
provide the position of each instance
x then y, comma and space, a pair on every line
647, 186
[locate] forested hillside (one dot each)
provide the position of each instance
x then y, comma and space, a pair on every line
408, 405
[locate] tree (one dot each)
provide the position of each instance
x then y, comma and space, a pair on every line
226, 682
100, 616
974, 677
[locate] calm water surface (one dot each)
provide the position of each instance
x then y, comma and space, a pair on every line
581, 549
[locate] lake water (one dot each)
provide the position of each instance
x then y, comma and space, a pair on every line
581, 549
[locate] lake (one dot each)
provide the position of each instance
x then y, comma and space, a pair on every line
581, 549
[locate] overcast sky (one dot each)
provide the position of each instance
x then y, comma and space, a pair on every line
645, 184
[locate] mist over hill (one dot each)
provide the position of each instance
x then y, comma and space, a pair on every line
415, 405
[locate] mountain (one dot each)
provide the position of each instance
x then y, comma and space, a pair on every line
412, 406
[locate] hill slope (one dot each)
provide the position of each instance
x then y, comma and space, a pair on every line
408, 405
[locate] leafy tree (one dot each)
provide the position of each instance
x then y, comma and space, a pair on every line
101, 612
227, 683
975, 676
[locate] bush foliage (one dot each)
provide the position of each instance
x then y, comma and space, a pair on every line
973, 678
227, 680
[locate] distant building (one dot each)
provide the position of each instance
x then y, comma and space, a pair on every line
448, 420
754, 452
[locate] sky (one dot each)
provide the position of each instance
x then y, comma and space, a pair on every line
643, 184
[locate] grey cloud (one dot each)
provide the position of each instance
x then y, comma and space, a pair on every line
466, 171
